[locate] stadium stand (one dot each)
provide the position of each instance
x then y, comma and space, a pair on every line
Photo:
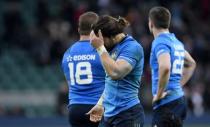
35, 33
18, 74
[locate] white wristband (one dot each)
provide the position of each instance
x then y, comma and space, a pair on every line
101, 50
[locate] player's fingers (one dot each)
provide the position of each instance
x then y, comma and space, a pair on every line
100, 34
90, 112
97, 118
154, 98
93, 118
94, 35
91, 34
164, 94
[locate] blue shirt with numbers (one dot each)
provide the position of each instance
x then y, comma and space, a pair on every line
122, 94
168, 43
84, 73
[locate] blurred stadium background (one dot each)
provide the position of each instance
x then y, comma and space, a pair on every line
35, 33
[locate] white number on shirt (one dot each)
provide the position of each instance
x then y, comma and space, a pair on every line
82, 69
178, 63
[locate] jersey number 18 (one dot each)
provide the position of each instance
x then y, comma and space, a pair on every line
82, 69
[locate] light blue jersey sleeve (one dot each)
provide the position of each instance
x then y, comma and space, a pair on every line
131, 53
160, 49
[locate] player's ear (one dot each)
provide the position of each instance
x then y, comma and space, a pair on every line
78, 30
100, 34
152, 24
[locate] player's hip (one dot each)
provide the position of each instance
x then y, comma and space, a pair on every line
78, 117
175, 87
132, 116
178, 108
172, 95
116, 106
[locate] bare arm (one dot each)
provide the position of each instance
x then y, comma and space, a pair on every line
189, 67
115, 69
164, 73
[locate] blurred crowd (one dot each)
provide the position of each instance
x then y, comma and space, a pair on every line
46, 28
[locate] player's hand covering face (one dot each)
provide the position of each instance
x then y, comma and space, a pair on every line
95, 41
96, 113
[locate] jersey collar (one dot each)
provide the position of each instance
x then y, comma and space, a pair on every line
164, 32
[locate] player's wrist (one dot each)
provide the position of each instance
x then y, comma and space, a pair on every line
101, 49
100, 102
100, 105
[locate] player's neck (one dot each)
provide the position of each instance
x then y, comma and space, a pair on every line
84, 37
119, 37
157, 32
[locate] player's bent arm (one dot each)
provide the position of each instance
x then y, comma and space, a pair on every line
189, 67
115, 69
164, 63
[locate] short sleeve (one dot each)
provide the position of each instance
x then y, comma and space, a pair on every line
131, 53
64, 62
160, 49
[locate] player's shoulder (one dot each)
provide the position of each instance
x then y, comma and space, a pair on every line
160, 40
66, 54
131, 43
79, 44
68, 50
163, 39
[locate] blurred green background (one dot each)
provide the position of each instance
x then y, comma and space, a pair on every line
34, 34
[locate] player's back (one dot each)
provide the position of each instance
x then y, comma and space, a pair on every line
167, 42
84, 73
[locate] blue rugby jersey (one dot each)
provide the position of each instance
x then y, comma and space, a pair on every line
84, 73
120, 95
168, 43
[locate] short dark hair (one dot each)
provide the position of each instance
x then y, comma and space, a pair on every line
160, 16
110, 26
86, 21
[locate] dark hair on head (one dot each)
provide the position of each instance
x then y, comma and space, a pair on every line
86, 20
160, 16
110, 26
